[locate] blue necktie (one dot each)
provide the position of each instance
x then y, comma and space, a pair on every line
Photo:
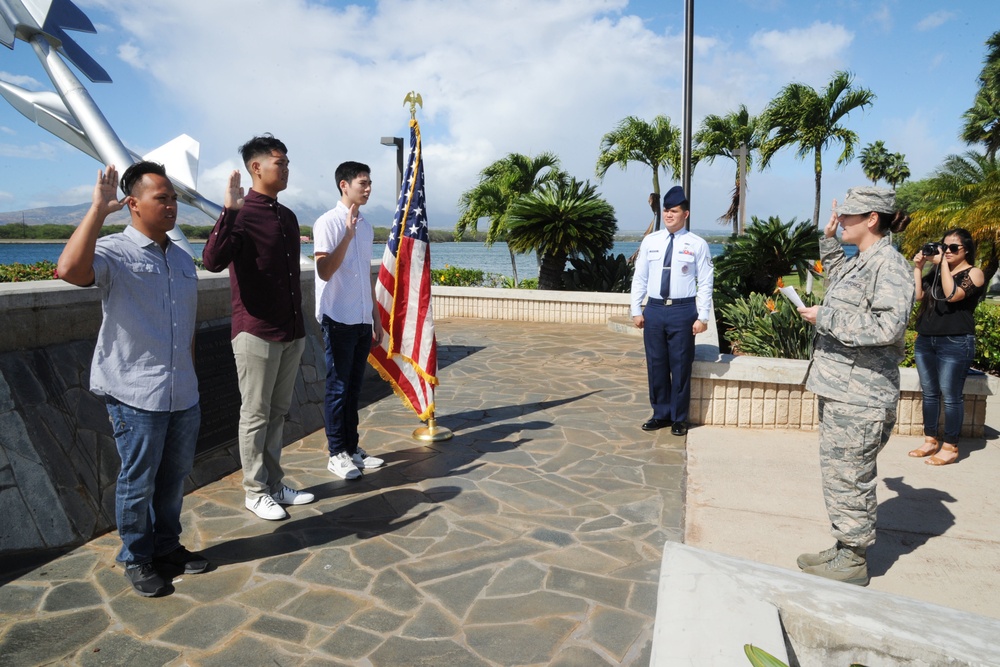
665, 275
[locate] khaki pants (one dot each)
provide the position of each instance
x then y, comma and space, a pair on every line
266, 371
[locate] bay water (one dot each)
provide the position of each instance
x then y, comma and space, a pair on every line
465, 255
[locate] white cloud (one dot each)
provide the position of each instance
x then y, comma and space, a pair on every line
935, 20
39, 151
882, 17
520, 76
27, 82
805, 53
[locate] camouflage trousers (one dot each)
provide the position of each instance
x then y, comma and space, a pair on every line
850, 438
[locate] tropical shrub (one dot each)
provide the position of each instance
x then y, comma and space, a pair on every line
605, 273
768, 326
454, 276
987, 338
559, 221
18, 273
506, 282
769, 249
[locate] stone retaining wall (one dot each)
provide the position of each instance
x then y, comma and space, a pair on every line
754, 392
58, 461
528, 305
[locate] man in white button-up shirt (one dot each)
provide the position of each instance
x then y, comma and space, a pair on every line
345, 308
673, 274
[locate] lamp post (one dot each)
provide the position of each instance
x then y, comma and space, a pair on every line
398, 143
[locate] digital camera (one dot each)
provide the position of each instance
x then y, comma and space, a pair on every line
930, 249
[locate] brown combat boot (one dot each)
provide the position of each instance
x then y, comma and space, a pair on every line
849, 565
823, 557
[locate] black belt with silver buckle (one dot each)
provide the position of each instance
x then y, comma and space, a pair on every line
670, 302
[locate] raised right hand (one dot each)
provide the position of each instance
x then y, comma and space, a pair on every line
831, 226
233, 199
352, 220
105, 197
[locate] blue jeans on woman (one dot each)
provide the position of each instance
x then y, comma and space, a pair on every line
157, 453
347, 347
943, 363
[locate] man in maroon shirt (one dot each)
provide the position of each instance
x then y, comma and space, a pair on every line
258, 239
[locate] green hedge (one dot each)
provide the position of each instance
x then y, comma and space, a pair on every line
19, 273
754, 329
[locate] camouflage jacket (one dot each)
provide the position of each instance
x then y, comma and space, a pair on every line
861, 324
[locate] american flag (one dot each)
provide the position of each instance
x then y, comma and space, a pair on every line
407, 355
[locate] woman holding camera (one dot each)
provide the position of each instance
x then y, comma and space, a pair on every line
946, 341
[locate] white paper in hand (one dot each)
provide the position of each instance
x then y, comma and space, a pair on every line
792, 296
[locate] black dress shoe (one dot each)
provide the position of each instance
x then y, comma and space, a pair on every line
679, 428
655, 424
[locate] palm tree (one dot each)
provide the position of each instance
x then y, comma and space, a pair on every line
721, 136
811, 120
559, 220
964, 192
874, 161
982, 120
897, 170
656, 145
769, 249
500, 185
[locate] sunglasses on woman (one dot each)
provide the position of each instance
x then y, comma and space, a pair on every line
952, 247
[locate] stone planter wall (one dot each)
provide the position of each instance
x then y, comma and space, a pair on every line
753, 392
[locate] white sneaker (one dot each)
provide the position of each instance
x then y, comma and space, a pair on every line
266, 508
289, 496
342, 466
362, 460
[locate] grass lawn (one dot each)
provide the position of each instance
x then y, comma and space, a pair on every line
818, 286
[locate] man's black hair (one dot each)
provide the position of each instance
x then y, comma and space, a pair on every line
135, 173
348, 171
265, 144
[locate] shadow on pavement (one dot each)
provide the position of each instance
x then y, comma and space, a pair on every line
915, 516
365, 518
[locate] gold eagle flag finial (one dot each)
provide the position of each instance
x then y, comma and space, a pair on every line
413, 99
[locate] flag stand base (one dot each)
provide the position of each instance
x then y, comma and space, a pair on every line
432, 432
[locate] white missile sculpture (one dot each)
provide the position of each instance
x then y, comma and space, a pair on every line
72, 115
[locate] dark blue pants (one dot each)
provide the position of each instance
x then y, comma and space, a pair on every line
347, 347
669, 345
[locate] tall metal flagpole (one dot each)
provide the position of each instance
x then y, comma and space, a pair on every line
432, 432
688, 83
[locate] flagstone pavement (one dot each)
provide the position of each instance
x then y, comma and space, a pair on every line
532, 537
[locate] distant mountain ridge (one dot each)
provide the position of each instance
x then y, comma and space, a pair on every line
378, 216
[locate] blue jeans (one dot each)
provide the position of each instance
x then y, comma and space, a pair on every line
943, 363
347, 347
157, 453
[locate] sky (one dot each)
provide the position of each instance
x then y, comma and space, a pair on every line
328, 78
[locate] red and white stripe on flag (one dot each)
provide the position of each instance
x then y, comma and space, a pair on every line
407, 355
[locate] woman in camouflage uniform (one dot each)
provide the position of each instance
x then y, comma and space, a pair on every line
854, 370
